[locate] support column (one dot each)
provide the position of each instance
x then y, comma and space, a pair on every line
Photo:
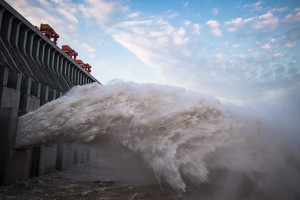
30, 95
44, 94
30, 101
14, 163
52, 94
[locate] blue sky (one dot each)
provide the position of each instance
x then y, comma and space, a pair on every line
238, 51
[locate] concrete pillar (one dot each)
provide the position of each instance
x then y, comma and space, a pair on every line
14, 163
75, 156
30, 95
44, 94
60, 94
3, 76
65, 156
52, 94
51, 60
29, 46
48, 159
25, 40
16, 41
35, 161
30, 101
10, 89
47, 55
68, 156
36, 48
42, 52
14, 32
1, 16
59, 157
8, 124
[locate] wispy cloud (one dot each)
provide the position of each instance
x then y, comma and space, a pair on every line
196, 29
133, 15
277, 54
186, 4
293, 17
102, 11
255, 6
68, 15
214, 26
290, 44
266, 21
235, 46
155, 41
235, 24
215, 11
171, 14
266, 46
187, 22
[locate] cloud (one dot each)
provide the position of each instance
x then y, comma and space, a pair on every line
156, 43
187, 22
215, 11
290, 44
179, 37
254, 54
277, 54
219, 56
235, 24
88, 47
186, 4
196, 29
45, 3
216, 32
266, 46
266, 15
279, 9
293, 34
68, 15
171, 14
235, 46
293, 17
134, 15
266, 21
255, 6
213, 24
102, 11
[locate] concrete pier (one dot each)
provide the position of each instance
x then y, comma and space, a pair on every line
33, 71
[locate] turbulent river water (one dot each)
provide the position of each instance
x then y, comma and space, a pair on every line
172, 144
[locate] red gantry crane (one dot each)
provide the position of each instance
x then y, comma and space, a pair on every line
49, 32
85, 66
69, 51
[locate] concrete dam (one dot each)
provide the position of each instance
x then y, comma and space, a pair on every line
33, 71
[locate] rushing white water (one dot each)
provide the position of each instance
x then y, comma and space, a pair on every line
182, 137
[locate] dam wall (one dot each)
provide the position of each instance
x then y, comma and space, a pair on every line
33, 71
